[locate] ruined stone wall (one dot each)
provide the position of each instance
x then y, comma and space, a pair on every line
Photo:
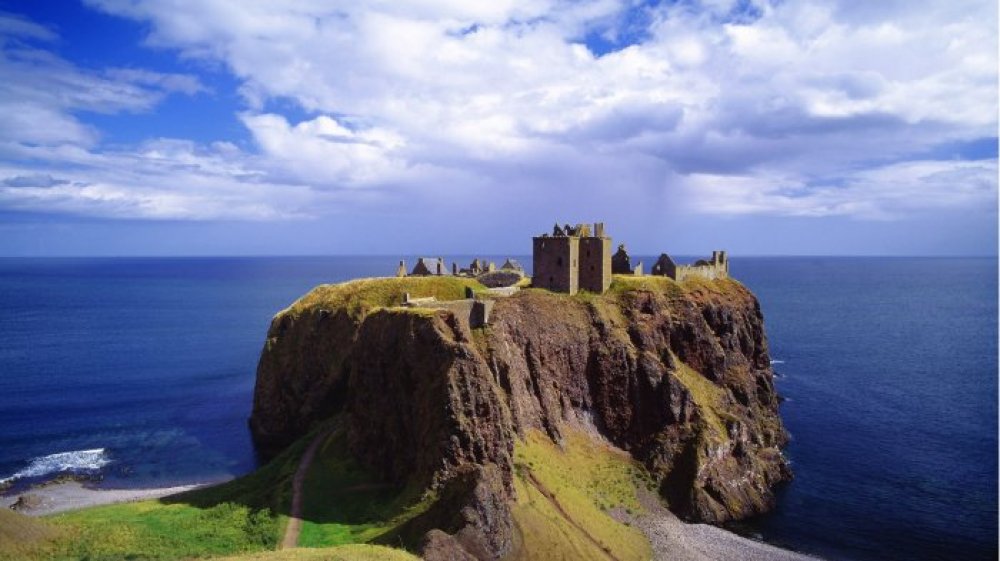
595, 264
712, 271
555, 263
470, 313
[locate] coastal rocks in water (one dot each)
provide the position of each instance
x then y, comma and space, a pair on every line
678, 375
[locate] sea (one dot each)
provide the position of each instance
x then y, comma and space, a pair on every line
137, 372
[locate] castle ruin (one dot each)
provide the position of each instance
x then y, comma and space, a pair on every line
572, 258
575, 258
425, 267
482, 270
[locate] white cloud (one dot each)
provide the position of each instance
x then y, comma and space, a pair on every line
880, 193
163, 179
745, 108
30, 122
322, 151
14, 28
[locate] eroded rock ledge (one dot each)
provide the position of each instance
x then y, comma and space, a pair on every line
677, 374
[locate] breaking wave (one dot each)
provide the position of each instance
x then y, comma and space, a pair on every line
777, 362
77, 461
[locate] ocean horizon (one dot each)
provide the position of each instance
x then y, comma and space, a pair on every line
139, 372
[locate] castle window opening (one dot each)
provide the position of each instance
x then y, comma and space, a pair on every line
559, 262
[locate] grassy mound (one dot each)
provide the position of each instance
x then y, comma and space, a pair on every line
360, 297
21, 536
626, 283
564, 495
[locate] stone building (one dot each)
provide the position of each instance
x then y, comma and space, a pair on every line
512, 265
621, 263
717, 267
430, 266
664, 267
572, 258
476, 268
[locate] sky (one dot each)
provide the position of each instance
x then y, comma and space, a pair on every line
216, 127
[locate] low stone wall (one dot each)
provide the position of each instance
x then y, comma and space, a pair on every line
471, 312
504, 290
710, 272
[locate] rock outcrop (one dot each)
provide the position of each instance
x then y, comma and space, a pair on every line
677, 374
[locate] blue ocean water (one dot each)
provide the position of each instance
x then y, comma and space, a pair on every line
141, 372
889, 367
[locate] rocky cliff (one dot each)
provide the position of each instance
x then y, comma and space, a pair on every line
677, 375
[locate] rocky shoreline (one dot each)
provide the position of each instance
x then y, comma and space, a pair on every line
675, 540
73, 495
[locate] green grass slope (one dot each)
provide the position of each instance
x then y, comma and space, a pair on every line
343, 505
22, 537
361, 296
242, 515
564, 495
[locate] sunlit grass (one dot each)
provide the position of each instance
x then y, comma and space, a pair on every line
705, 394
584, 479
360, 297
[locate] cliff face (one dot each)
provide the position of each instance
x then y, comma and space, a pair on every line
676, 374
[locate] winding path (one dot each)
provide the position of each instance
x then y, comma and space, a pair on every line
294, 527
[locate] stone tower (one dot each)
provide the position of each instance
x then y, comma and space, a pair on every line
595, 261
554, 261
572, 259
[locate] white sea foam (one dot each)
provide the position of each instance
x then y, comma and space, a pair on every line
777, 362
76, 461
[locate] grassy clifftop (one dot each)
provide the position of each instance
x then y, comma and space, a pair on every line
361, 296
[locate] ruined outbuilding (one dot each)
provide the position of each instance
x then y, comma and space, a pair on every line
512, 265
429, 266
470, 311
621, 263
717, 267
